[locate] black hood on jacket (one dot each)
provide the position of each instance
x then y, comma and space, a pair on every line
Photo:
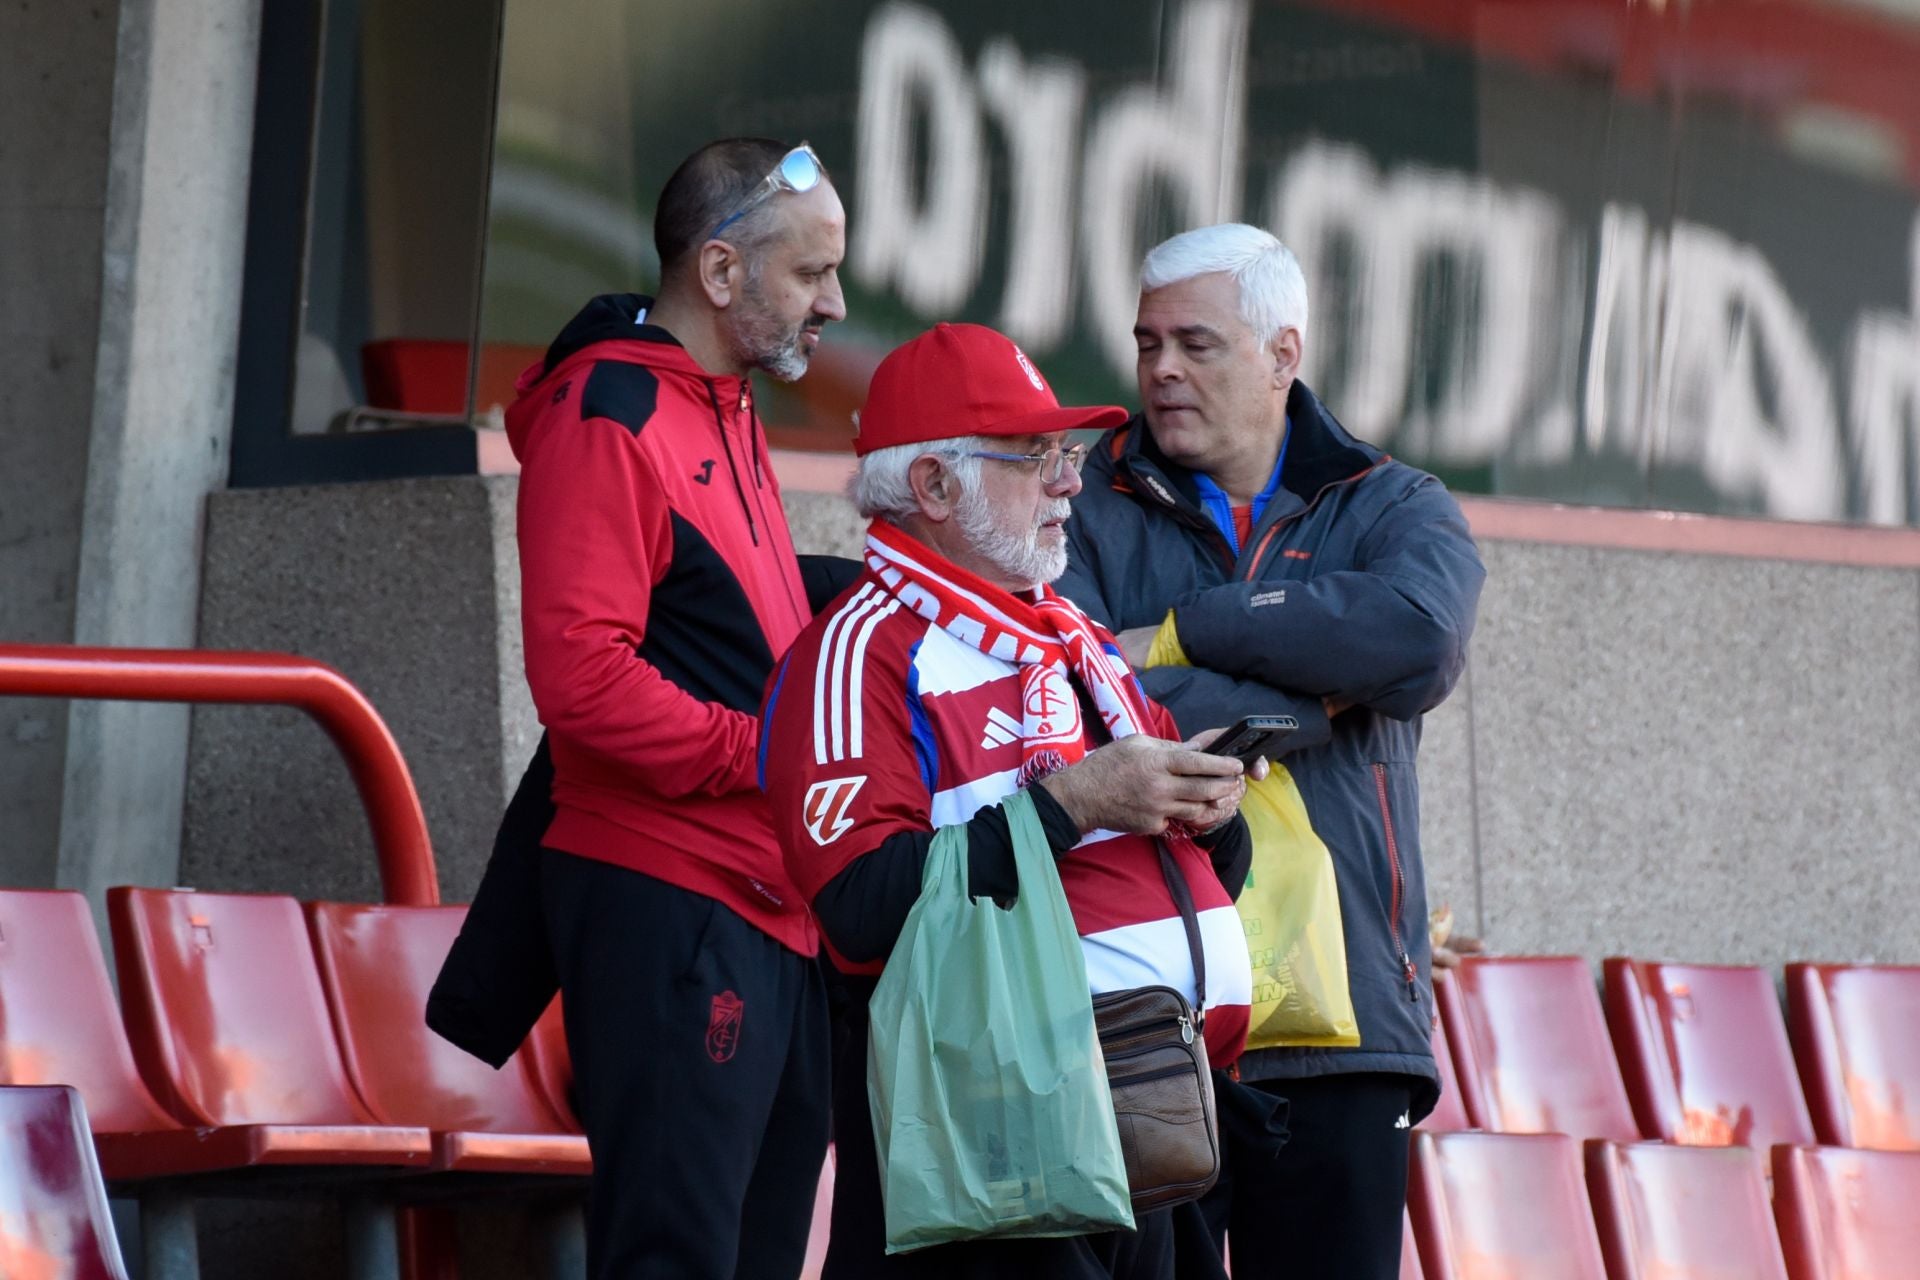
609, 317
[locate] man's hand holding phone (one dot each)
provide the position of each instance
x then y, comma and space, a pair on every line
1141, 783
1251, 740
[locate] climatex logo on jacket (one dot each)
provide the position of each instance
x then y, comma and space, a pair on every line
1159, 490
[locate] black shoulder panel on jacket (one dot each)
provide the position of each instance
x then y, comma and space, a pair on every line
621, 391
702, 633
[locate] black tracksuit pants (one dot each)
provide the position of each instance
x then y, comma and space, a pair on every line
1324, 1203
700, 1050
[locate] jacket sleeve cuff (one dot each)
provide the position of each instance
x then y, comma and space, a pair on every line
1062, 835
1229, 847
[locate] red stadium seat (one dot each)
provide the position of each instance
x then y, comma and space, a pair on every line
1533, 1049
1856, 1033
1704, 1053
228, 1022
54, 1222
822, 1220
377, 964
1501, 1206
1848, 1215
1668, 1211
546, 1051
59, 1025
1449, 1115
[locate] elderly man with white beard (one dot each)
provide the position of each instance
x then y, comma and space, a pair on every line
950, 675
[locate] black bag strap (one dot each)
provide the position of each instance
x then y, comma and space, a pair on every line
1177, 886
1183, 899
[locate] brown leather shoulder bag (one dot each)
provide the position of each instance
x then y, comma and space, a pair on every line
1158, 1074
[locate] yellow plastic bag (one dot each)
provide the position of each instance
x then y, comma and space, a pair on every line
1290, 910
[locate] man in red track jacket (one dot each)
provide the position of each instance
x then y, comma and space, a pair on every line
658, 586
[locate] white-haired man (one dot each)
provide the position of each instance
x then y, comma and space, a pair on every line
1298, 571
946, 677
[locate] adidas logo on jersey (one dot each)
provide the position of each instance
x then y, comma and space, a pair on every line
1001, 729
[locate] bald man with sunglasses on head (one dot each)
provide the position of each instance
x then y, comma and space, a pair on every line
658, 585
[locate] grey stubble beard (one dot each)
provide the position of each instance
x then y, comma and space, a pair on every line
759, 340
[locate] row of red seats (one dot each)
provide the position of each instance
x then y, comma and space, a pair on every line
262, 1046
1690, 1054
279, 1053
265, 1038
1697, 1060
1483, 1207
1488, 1206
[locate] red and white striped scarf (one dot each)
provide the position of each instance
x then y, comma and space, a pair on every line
1046, 636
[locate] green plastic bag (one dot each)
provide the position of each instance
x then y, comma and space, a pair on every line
984, 1075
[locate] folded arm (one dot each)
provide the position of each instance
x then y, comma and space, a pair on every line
1390, 634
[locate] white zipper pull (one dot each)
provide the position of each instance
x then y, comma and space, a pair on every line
1186, 1030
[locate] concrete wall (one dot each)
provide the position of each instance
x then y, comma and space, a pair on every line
56, 99
124, 146
1677, 755
175, 233
1689, 757
412, 590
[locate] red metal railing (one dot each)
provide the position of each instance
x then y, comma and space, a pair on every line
400, 840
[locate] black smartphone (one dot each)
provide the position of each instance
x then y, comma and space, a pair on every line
1251, 737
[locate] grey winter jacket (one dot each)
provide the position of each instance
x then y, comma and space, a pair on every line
1359, 583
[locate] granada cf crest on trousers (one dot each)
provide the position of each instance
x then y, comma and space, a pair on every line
723, 1026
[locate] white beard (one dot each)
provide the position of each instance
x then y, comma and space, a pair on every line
1019, 556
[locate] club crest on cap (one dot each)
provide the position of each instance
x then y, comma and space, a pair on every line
954, 381
1026, 366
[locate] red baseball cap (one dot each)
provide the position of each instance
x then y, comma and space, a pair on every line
964, 380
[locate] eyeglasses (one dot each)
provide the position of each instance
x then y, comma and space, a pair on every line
1052, 465
799, 171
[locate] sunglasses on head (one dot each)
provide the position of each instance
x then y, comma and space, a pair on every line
799, 171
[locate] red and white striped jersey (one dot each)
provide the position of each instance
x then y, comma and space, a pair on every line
879, 722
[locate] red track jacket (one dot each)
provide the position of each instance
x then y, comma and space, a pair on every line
658, 585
